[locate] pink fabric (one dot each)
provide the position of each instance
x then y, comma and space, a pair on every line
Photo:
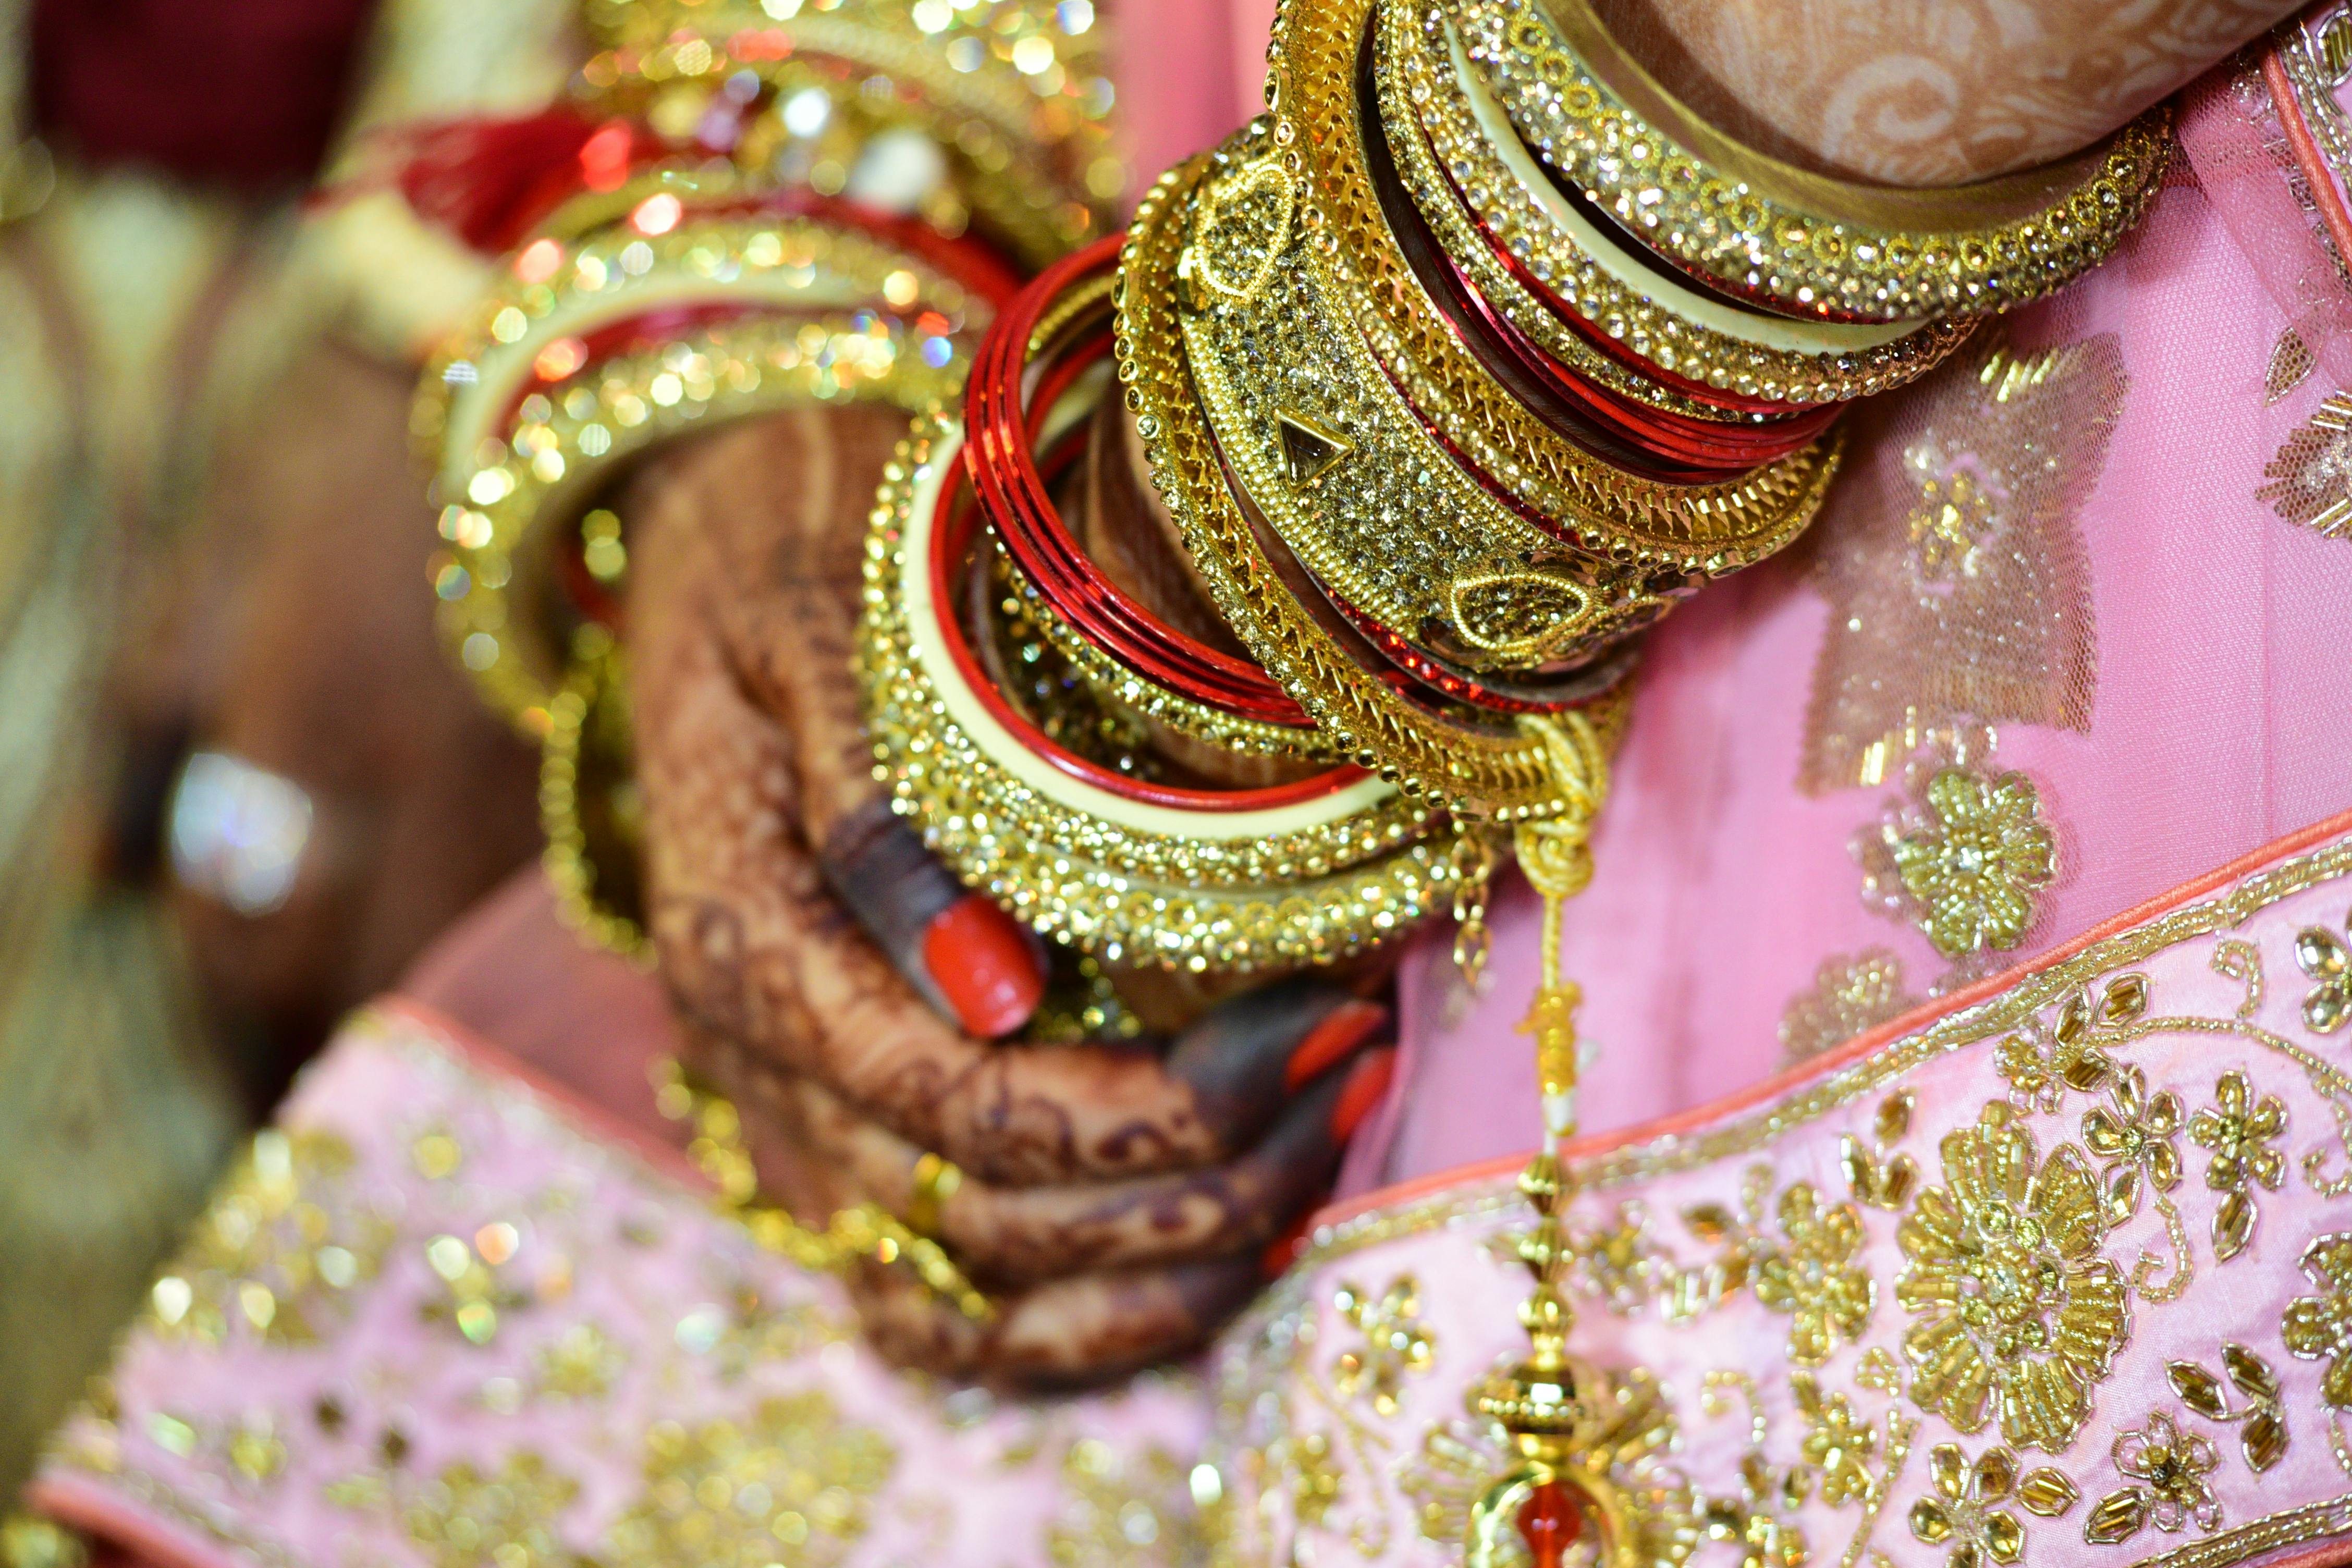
1189, 71
2217, 720
649, 1369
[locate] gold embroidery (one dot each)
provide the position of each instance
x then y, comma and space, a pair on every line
2020, 1313
2262, 1435
279, 1249
2310, 480
1395, 1343
2136, 1135
793, 1481
2290, 364
1974, 860
2075, 1059
1838, 1445
1850, 997
463, 1518
1815, 1277
1881, 1179
1121, 1515
2239, 1130
2170, 1467
1958, 586
2321, 957
1969, 1511
2319, 1328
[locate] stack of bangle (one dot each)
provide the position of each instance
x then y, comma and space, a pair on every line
1454, 370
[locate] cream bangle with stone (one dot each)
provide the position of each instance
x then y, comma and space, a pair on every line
1313, 880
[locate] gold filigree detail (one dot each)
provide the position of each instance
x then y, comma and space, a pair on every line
1975, 863
791, 1481
2239, 1130
2322, 959
2169, 1467
1972, 1512
2261, 1432
2135, 1136
2020, 1313
2319, 1328
1838, 1445
2042, 1066
1850, 996
1816, 1275
1396, 1342
2309, 482
1958, 583
2290, 364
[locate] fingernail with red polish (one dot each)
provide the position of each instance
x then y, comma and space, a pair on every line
1367, 1085
984, 965
1330, 1042
1277, 1256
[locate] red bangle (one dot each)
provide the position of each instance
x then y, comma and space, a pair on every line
1000, 459
951, 537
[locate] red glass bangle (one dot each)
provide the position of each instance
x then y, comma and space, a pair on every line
953, 527
1003, 470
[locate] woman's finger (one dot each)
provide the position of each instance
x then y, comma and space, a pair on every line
1020, 1236
755, 949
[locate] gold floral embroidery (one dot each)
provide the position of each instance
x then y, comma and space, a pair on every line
2020, 1313
1850, 997
1314, 1477
791, 1482
2170, 1467
2310, 480
1958, 582
2239, 1128
1975, 861
2261, 1433
278, 1249
2290, 364
2135, 1135
580, 1364
1395, 1343
1969, 1511
2321, 957
2319, 1328
1815, 1275
463, 1518
1121, 1514
1839, 1445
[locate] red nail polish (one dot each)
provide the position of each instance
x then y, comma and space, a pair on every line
1330, 1041
1367, 1085
1277, 1256
981, 960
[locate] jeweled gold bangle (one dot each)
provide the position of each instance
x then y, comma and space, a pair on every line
1791, 241
1330, 875
1342, 243
1479, 769
1010, 94
1480, 188
522, 417
587, 805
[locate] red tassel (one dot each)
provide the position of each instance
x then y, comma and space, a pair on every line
1550, 1523
490, 181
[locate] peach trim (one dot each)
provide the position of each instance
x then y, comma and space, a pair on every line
588, 1119
90, 1507
1854, 1050
2307, 156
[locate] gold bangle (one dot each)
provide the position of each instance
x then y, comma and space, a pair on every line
1342, 239
1439, 117
1792, 241
936, 1180
1014, 100
1310, 885
588, 807
838, 320
1476, 769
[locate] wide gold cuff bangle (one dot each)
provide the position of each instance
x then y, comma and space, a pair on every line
1339, 238
522, 422
1792, 241
1479, 187
1011, 94
1316, 881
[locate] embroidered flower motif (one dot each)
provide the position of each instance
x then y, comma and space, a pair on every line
2319, 1328
1838, 1446
2239, 1128
2170, 1467
1969, 1509
1849, 998
1975, 866
1395, 1343
2135, 1134
1814, 1276
2321, 956
2310, 479
2019, 1314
